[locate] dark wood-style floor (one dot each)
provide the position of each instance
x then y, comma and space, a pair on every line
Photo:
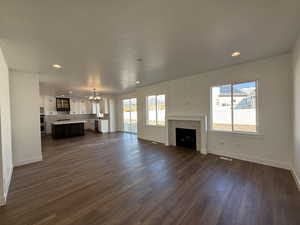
117, 179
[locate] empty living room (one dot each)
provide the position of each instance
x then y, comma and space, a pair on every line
164, 112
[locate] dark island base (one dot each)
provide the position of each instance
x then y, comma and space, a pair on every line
67, 130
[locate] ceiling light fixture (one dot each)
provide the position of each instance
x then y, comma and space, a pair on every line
137, 82
94, 97
57, 66
235, 54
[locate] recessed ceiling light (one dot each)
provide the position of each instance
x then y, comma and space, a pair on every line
137, 82
57, 66
235, 54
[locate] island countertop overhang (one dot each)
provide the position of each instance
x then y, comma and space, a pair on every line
68, 122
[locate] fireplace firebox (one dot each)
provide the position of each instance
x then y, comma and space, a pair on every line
186, 138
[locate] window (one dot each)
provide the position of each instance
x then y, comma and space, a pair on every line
234, 107
156, 110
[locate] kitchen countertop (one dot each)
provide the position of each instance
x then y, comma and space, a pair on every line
68, 122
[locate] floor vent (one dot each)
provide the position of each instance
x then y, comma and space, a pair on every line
225, 158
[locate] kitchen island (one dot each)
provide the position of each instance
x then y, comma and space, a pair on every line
69, 128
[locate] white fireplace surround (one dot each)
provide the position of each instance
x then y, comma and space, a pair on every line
199, 123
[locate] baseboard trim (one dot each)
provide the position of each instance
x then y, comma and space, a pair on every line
203, 151
144, 139
9, 177
28, 161
2, 200
296, 178
266, 162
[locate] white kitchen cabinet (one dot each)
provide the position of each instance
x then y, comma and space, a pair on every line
50, 105
77, 106
104, 106
82, 106
74, 106
88, 106
95, 108
103, 126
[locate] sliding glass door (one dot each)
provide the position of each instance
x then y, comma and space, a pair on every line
130, 115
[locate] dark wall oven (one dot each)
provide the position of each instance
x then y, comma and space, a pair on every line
63, 104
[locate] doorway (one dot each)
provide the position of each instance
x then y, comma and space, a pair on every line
130, 115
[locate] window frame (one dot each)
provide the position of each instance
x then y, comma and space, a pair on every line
156, 114
257, 111
129, 99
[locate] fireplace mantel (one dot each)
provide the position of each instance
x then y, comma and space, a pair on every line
193, 118
201, 118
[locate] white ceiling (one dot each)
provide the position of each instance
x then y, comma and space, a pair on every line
98, 41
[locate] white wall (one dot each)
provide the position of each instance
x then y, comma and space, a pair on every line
6, 167
296, 113
112, 114
191, 96
25, 108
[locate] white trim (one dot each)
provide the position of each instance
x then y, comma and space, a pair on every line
6, 189
238, 133
123, 120
2, 200
204, 151
128, 132
28, 161
296, 177
257, 109
159, 126
243, 157
156, 113
202, 119
9, 179
145, 139
193, 118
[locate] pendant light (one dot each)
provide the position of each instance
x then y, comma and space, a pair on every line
94, 97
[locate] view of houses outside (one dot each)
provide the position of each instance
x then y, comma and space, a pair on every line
130, 115
241, 98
